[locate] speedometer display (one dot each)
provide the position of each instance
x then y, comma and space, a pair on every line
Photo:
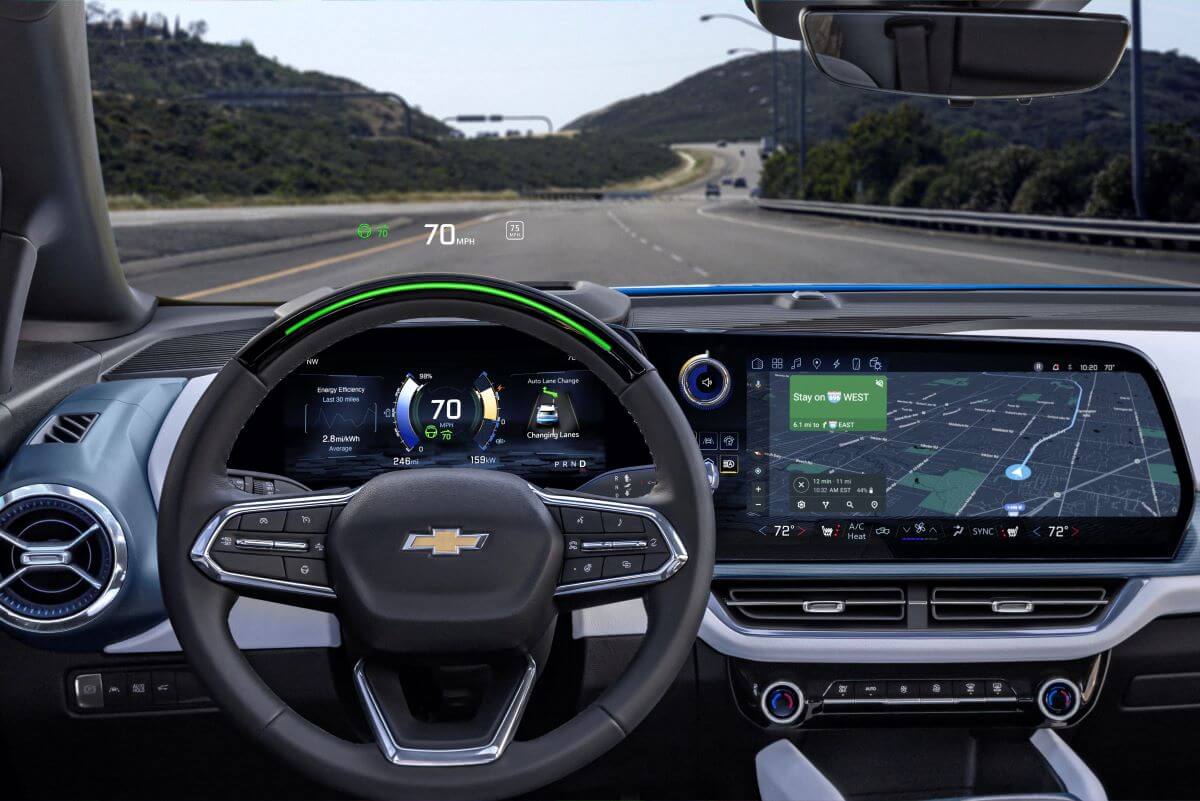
365, 406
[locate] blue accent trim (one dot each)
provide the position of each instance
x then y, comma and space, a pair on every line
752, 289
110, 464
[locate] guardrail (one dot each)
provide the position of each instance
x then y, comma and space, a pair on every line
584, 194
1087, 230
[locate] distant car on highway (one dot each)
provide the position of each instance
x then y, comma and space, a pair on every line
712, 190
726, 182
740, 183
722, 143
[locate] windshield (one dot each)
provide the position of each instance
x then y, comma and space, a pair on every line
258, 151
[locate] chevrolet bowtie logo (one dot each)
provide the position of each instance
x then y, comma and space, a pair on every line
445, 542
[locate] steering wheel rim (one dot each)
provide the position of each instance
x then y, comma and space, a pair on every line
195, 490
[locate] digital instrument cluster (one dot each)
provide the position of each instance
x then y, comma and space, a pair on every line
385, 400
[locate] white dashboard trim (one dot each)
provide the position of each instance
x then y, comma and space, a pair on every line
254, 624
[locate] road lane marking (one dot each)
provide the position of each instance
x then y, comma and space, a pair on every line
320, 263
964, 254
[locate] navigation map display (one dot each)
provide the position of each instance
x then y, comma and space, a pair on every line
855, 454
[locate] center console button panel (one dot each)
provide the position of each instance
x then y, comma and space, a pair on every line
1017, 694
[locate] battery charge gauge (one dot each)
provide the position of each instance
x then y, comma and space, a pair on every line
434, 413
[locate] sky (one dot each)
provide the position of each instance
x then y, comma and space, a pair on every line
559, 58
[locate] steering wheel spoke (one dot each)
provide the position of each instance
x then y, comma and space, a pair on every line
445, 715
274, 547
611, 546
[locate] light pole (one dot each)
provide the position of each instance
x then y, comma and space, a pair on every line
802, 123
1137, 111
774, 66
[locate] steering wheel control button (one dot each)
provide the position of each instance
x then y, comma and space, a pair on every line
582, 521
577, 570
621, 566
704, 383
617, 523
89, 691
306, 571
263, 521
307, 521
254, 544
1059, 699
782, 702
259, 566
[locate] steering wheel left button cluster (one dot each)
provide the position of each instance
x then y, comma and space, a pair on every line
280, 546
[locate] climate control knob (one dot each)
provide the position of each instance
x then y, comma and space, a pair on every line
1059, 699
782, 702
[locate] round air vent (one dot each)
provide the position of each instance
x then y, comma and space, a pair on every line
63, 558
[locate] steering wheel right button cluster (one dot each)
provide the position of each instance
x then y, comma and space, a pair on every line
612, 546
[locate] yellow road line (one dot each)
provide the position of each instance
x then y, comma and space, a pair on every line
316, 265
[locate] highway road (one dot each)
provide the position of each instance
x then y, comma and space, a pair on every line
676, 238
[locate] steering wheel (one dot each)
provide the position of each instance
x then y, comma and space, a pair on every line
436, 567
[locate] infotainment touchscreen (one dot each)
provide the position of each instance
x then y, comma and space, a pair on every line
1059, 452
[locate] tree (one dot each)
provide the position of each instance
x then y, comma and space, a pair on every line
197, 29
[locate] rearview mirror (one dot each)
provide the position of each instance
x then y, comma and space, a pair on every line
965, 55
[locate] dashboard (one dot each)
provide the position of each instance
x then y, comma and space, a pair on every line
856, 448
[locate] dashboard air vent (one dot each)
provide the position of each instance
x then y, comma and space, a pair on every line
62, 558
765, 604
65, 429
1018, 603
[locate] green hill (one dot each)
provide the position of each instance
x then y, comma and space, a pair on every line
733, 101
162, 146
